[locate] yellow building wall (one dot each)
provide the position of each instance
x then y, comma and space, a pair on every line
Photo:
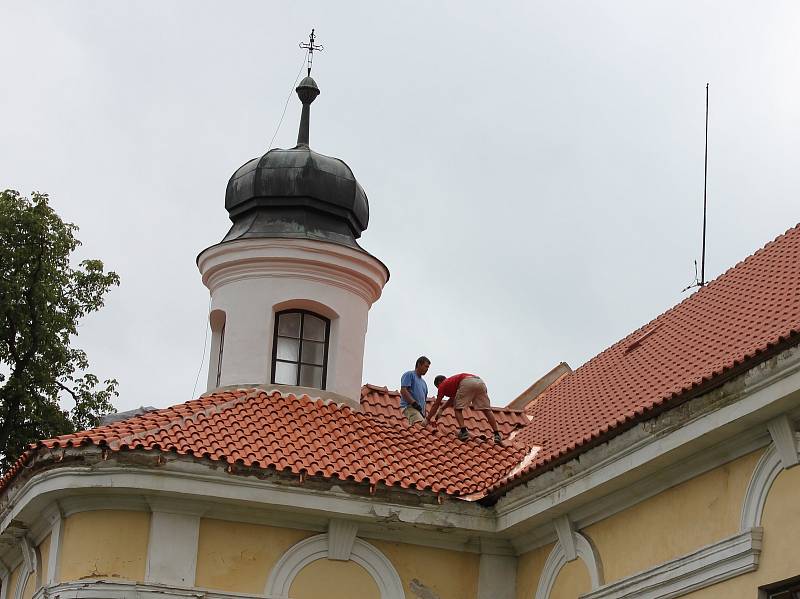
13, 580
105, 544
529, 569
237, 556
334, 580
695, 513
30, 587
44, 557
448, 574
779, 555
572, 581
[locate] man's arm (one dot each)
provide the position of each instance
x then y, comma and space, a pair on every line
433, 410
435, 407
448, 403
406, 394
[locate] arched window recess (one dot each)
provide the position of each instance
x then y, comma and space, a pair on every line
300, 349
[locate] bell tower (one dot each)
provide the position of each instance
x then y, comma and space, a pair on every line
290, 287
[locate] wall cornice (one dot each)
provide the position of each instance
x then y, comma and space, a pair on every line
105, 589
186, 488
327, 263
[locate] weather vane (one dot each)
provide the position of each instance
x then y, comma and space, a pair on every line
311, 46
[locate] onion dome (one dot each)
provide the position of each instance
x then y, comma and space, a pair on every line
297, 192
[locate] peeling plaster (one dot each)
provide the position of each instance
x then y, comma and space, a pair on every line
421, 591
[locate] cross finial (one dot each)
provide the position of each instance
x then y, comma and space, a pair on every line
311, 46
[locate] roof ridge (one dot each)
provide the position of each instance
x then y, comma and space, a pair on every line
391, 393
695, 297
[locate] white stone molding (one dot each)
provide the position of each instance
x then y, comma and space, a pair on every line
766, 471
702, 568
316, 547
565, 531
172, 548
783, 436
22, 581
29, 557
341, 537
558, 559
55, 521
249, 499
329, 263
106, 589
83, 502
497, 577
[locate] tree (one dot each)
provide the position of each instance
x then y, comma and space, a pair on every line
42, 298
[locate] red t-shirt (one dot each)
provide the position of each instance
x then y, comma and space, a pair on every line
449, 386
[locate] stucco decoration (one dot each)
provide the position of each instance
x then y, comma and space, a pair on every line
766, 471
703, 568
316, 547
558, 559
782, 433
341, 537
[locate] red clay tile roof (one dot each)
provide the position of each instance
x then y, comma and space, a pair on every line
732, 321
382, 403
299, 435
731, 324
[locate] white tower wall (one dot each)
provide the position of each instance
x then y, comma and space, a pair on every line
252, 279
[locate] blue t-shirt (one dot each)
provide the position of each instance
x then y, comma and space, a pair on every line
417, 387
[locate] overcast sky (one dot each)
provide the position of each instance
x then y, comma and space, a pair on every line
534, 169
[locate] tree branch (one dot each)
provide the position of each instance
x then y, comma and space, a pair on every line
68, 390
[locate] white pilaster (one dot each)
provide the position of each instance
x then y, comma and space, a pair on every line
172, 550
497, 577
56, 522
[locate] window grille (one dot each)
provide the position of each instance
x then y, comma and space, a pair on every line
300, 349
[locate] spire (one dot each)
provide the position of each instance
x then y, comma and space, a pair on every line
311, 46
307, 91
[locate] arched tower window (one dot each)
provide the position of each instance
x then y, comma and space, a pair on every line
300, 349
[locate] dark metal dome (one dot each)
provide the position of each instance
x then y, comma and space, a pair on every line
297, 192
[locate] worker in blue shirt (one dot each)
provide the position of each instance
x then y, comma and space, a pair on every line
414, 392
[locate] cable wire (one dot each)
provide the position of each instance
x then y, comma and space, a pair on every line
205, 344
299, 72
283, 114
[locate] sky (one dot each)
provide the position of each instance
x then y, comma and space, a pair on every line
534, 169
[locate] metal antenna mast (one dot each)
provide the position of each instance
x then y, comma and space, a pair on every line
705, 188
311, 46
701, 282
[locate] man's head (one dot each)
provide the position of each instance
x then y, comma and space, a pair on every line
422, 365
438, 380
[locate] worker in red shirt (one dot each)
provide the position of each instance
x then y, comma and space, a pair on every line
465, 391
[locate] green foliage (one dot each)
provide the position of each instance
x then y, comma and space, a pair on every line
42, 298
